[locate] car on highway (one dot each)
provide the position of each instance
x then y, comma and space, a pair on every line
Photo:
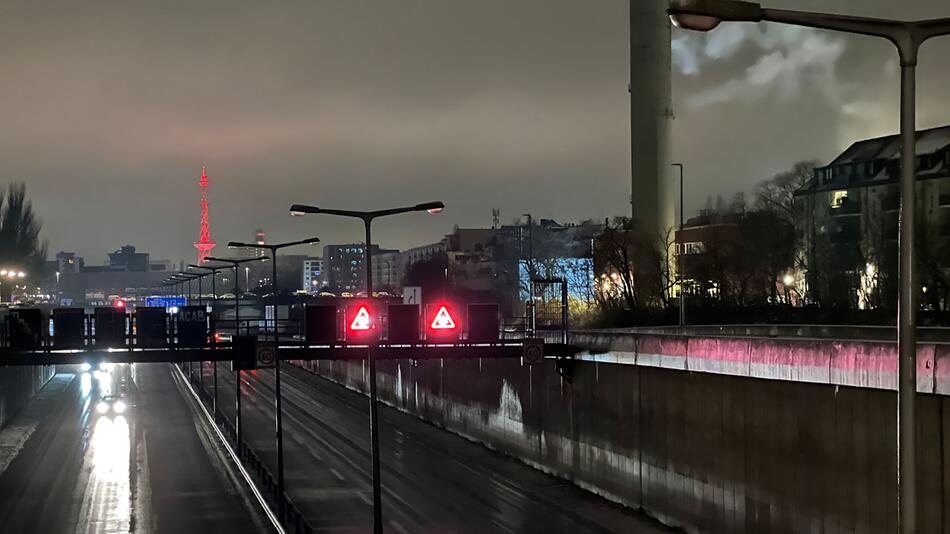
112, 405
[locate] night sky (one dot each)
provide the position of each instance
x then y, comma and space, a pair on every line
110, 108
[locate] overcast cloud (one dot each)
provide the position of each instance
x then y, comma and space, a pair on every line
110, 108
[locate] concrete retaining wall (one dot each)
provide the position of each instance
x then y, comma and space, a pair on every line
706, 451
869, 364
17, 387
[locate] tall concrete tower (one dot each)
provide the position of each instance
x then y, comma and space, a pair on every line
653, 192
204, 244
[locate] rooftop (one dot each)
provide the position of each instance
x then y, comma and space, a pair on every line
888, 147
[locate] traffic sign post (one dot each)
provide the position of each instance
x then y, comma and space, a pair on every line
25, 328
403, 323
483, 323
442, 325
110, 326
320, 324
69, 328
265, 355
533, 351
151, 327
360, 320
192, 326
412, 295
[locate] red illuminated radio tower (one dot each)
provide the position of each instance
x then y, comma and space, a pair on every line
204, 244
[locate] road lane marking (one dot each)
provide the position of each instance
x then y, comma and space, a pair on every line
237, 462
337, 474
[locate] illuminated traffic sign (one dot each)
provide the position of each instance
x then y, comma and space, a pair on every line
360, 323
441, 322
362, 320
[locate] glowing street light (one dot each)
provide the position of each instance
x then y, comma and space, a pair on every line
367, 217
235, 263
907, 37
280, 439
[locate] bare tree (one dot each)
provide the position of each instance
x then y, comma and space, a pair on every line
778, 193
20, 243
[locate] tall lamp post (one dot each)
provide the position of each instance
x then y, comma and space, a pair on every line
189, 277
907, 37
279, 428
367, 217
235, 263
201, 302
531, 313
679, 253
214, 309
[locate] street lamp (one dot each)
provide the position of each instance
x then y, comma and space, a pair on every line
531, 312
907, 37
214, 309
679, 254
189, 277
235, 263
280, 439
193, 276
367, 217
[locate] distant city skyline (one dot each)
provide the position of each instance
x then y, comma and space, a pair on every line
112, 110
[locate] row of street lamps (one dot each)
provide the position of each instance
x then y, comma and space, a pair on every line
298, 210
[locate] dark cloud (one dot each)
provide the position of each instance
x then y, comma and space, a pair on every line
110, 108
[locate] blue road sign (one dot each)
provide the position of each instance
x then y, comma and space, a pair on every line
165, 302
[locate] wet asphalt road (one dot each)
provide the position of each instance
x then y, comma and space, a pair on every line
433, 481
149, 469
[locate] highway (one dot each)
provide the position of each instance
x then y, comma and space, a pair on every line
433, 481
153, 468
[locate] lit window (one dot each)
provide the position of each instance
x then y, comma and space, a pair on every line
837, 198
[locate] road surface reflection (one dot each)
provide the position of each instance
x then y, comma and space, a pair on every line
107, 494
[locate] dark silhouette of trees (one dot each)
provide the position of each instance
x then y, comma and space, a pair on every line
20, 243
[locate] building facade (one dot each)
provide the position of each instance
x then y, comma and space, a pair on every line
344, 268
847, 219
312, 275
386, 273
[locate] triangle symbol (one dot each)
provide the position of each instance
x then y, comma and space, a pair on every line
362, 320
443, 321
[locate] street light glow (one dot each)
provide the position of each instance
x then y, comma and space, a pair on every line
705, 15
299, 210
431, 207
699, 23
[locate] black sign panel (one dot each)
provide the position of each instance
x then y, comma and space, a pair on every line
110, 327
192, 323
26, 328
69, 328
151, 327
403, 323
245, 353
483, 323
321, 325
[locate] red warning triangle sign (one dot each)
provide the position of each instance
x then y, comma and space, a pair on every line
443, 320
362, 320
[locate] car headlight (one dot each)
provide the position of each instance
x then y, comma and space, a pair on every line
85, 367
119, 406
102, 407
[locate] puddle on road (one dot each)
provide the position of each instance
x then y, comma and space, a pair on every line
107, 498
